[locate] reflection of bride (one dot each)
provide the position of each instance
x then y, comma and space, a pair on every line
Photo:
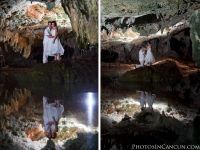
51, 115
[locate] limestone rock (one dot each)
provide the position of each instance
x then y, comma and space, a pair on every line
84, 19
161, 76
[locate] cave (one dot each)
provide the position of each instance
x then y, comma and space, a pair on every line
149, 74
51, 104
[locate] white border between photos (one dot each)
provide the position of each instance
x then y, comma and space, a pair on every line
99, 74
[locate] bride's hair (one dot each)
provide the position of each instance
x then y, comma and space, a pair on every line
144, 44
55, 24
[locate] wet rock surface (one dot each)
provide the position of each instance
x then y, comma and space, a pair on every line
165, 75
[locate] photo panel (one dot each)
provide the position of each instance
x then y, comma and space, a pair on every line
150, 81
49, 75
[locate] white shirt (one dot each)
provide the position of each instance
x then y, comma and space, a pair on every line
141, 55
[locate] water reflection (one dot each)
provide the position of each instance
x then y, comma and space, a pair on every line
143, 117
146, 98
130, 103
90, 102
52, 112
76, 118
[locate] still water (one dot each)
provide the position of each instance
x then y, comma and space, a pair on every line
23, 107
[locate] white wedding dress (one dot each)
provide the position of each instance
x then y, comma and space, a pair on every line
56, 47
149, 58
50, 112
141, 57
46, 45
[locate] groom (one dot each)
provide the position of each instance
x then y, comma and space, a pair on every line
47, 36
142, 54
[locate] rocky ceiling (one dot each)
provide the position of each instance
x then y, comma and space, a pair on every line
146, 15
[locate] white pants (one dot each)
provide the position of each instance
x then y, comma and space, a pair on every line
45, 58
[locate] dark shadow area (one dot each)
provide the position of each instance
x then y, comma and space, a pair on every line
50, 145
147, 127
84, 141
108, 56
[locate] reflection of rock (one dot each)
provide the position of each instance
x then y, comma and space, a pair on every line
18, 100
147, 127
196, 132
84, 141
165, 75
189, 88
54, 73
106, 124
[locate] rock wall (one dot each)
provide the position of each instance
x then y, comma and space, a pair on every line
126, 24
84, 19
22, 24
145, 16
195, 36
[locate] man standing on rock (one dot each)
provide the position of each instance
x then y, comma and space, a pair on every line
46, 48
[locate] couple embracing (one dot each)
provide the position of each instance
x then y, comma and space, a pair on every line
146, 57
51, 43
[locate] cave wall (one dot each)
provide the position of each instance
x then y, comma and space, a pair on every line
145, 16
175, 45
84, 19
195, 36
151, 20
22, 24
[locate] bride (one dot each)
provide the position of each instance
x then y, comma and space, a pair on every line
149, 58
56, 48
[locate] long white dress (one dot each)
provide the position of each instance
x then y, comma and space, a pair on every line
149, 58
56, 47
142, 99
46, 47
141, 57
150, 98
50, 112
